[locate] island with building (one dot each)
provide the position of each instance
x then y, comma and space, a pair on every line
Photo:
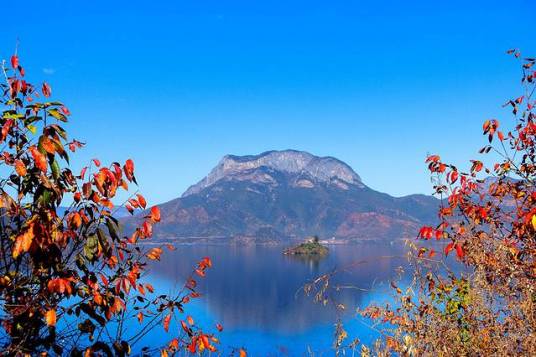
311, 247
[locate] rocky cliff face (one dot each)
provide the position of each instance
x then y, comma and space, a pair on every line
285, 195
306, 167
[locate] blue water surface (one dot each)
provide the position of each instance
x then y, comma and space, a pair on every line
257, 294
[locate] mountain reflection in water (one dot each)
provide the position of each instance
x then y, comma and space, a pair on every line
256, 293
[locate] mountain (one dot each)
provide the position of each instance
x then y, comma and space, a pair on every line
285, 195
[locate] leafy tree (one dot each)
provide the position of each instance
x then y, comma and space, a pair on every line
69, 279
488, 222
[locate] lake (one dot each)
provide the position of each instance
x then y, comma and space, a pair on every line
256, 293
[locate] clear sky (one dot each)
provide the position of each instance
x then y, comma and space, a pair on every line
176, 85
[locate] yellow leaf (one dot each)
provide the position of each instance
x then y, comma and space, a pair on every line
50, 317
32, 128
534, 221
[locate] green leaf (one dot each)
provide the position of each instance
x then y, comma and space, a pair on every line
112, 228
56, 171
91, 247
56, 114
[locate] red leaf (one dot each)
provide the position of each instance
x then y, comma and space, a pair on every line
46, 89
448, 248
147, 229
129, 169
141, 201
83, 173
453, 176
155, 214
14, 61
459, 251
65, 110
433, 158
192, 345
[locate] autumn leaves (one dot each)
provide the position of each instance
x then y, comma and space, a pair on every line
54, 248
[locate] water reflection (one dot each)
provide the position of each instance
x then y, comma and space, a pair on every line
259, 288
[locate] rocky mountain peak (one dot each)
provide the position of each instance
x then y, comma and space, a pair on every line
291, 162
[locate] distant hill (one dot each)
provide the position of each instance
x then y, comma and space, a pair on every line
287, 195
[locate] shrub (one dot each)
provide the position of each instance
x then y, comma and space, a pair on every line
69, 279
488, 222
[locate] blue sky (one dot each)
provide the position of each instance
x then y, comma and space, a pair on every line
176, 85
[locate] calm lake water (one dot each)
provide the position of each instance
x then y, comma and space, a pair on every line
256, 293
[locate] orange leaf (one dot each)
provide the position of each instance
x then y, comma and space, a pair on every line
166, 322
76, 220
50, 317
23, 242
39, 159
140, 317
20, 168
190, 320
47, 144
141, 289
204, 341
174, 343
154, 254
242, 353
185, 327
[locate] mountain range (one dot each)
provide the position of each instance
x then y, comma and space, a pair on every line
288, 195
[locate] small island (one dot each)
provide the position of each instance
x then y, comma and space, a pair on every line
311, 247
